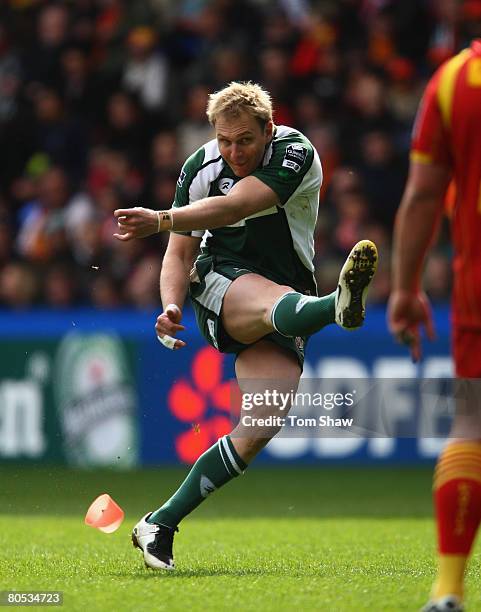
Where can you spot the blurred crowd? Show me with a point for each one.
(101, 101)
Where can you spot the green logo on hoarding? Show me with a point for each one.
(96, 401)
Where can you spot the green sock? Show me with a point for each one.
(219, 464)
(301, 315)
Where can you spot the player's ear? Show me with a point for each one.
(269, 129)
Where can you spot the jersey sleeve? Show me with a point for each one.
(182, 190)
(291, 159)
(429, 142)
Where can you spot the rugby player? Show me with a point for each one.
(446, 146)
(242, 244)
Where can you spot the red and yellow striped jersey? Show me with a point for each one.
(448, 131)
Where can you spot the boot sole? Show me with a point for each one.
(355, 277)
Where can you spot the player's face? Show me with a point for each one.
(242, 142)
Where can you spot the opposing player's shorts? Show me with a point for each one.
(209, 281)
(467, 352)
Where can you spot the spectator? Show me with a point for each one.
(42, 60)
(125, 129)
(6, 242)
(59, 287)
(366, 100)
(142, 289)
(145, 72)
(108, 168)
(51, 225)
(229, 65)
(10, 77)
(18, 286)
(165, 154)
(437, 277)
(383, 174)
(101, 100)
(80, 89)
(104, 292)
(58, 135)
(194, 130)
(353, 213)
(275, 76)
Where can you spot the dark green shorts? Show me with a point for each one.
(209, 281)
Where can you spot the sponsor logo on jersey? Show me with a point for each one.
(294, 157)
(225, 185)
(181, 179)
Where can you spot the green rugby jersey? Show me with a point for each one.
(278, 243)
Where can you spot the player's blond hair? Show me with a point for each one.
(238, 97)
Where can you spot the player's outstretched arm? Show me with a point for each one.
(247, 197)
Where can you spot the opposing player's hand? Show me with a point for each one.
(136, 222)
(167, 325)
(407, 313)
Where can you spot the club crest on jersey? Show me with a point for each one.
(225, 185)
(294, 157)
(181, 179)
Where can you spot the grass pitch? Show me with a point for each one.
(332, 539)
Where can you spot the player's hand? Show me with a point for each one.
(136, 222)
(167, 325)
(407, 313)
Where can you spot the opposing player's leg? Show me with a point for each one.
(258, 367)
(254, 306)
(457, 480)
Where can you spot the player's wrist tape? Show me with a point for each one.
(165, 215)
(167, 341)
